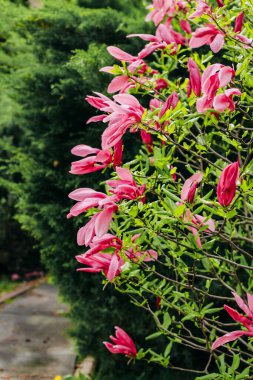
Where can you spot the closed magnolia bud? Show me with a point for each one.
(195, 77)
(227, 184)
(239, 23)
(185, 25)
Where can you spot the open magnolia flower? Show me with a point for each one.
(246, 321)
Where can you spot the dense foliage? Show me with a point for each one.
(173, 229)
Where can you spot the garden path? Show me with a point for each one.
(33, 337)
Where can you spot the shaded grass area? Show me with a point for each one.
(7, 285)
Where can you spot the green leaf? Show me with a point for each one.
(154, 335)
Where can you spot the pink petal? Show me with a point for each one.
(203, 104)
(113, 268)
(233, 91)
(225, 75)
(145, 37)
(217, 44)
(94, 119)
(221, 102)
(120, 54)
(250, 301)
(103, 221)
(229, 338)
(117, 83)
(242, 305)
(83, 150)
(124, 174)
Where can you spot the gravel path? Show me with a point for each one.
(34, 344)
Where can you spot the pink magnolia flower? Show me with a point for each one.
(195, 77)
(227, 184)
(109, 264)
(122, 113)
(165, 35)
(190, 186)
(224, 101)
(160, 9)
(122, 344)
(125, 187)
(239, 23)
(98, 261)
(97, 226)
(202, 8)
(90, 163)
(215, 77)
(87, 198)
(208, 35)
(246, 321)
(123, 83)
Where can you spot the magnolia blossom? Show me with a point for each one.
(208, 35)
(109, 264)
(125, 187)
(159, 9)
(225, 101)
(239, 23)
(227, 184)
(122, 344)
(97, 226)
(165, 35)
(87, 198)
(214, 78)
(246, 321)
(202, 8)
(99, 261)
(190, 186)
(122, 113)
(94, 159)
(122, 83)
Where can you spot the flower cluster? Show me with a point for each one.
(168, 228)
